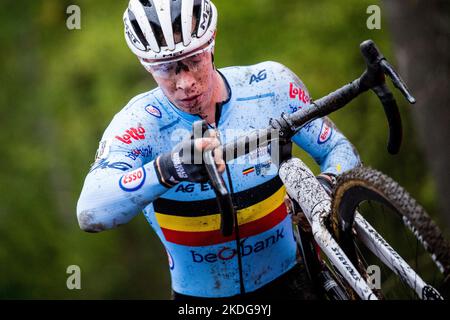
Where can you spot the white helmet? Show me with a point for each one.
(165, 30)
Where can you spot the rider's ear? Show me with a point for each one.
(212, 57)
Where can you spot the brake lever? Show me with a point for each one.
(378, 66)
(397, 80)
(393, 117)
(374, 78)
(223, 197)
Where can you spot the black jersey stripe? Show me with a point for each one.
(206, 207)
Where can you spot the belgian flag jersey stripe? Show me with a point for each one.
(205, 230)
(200, 208)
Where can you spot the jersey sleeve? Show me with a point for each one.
(320, 138)
(122, 180)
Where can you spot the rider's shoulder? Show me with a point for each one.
(268, 66)
(255, 75)
(280, 71)
(143, 104)
(282, 77)
(142, 100)
(144, 109)
(272, 67)
(261, 71)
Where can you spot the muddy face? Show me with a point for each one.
(188, 83)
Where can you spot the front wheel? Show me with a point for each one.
(371, 216)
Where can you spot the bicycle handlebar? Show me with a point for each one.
(374, 78)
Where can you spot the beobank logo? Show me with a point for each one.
(228, 253)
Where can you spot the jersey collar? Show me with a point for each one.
(221, 107)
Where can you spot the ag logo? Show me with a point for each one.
(262, 75)
(132, 181)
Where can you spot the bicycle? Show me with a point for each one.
(335, 222)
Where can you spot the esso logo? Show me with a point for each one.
(132, 181)
(325, 133)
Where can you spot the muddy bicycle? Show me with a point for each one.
(351, 247)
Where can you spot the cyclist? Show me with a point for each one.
(139, 165)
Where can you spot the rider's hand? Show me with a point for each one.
(185, 161)
(281, 149)
(327, 180)
(297, 215)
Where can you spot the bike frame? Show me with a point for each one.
(379, 247)
(302, 185)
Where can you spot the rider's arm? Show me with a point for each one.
(111, 197)
(133, 168)
(122, 181)
(319, 138)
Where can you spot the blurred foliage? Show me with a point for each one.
(60, 88)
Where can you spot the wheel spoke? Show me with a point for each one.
(388, 206)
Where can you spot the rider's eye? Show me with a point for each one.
(197, 58)
(164, 68)
(194, 63)
(167, 67)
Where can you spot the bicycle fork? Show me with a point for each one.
(302, 185)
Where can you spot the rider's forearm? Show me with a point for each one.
(112, 198)
(342, 157)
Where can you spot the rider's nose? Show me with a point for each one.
(185, 81)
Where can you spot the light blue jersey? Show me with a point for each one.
(122, 182)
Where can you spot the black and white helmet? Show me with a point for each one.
(165, 30)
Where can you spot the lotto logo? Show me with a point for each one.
(132, 181)
(132, 133)
(299, 93)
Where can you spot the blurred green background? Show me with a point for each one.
(60, 89)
